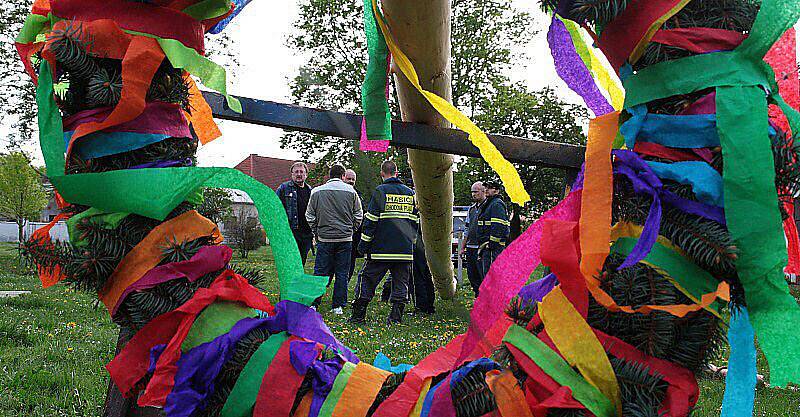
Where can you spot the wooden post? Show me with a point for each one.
(422, 30)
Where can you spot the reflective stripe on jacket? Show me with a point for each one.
(390, 223)
(493, 224)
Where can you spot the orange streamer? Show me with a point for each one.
(508, 395)
(595, 223)
(304, 408)
(148, 253)
(201, 117)
(360, 392)
(48, 276)
(140, 63)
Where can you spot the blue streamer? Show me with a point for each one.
(740, 383)
(705, 180)
(675, 131)
(219, 27)
(383, 362)
(99, 144)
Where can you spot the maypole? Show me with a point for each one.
(422, 31)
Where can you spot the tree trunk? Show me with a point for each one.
(422, 31)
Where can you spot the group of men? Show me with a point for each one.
(487, 231)
(386, 235)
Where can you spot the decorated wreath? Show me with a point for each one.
(671, 233)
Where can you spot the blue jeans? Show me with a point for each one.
(333, 259)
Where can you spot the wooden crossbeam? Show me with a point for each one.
(404, 134)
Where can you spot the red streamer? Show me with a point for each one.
(131, 364)
(700, 40)
(279, 385)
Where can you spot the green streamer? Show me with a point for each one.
(243, 397)
(754, 220)
(751, 204)
(208, 9)
(211, 74)
(155, 192)
(695, 280)
(336, 391)
(214, 321)
(377, 116)
(93, 215)
(560, 371)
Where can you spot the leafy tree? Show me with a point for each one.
(22, 195)
(245, 233)
(331, 34)
(216, 204)
(517, 112)
(17, 93)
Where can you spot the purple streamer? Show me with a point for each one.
(571, 69)
(304, 358)
(535, 292)
(165, 164)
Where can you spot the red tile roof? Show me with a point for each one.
(268, 171)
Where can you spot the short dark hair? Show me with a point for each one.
(492, 184)
(389, 168)
(336, 171)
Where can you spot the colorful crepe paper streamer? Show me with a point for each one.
(376, 126)
(740, 382)
(506, 171)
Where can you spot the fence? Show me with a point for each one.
(9, 231)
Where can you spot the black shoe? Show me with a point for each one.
(396, 315)
(359, 312)
(425, 311)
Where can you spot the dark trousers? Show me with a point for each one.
(422, 281)
(304, 244)
(485, 260)
(473, 269)
(372, 273)
(333, 258)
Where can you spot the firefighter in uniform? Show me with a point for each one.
(387, 242)
(493, 227)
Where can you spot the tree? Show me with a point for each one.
(216, 204)
(17, 92)
(331, 34)
(22, 195)
(245, 233)
(537, 115)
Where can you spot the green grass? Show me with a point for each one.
(54, 344)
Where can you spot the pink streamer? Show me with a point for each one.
(510, 271)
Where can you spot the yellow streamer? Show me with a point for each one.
(422, 394)
(508, 174)
(605, 80)
(578, 344)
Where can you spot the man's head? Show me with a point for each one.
(350, 177)
(492, 188)
(299, 173)
(336, 171)
(478, 192)
(388, 170)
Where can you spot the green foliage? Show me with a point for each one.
(515, 111)
(17, 92)
(244, 233)
(331, 34)
(216, 204)
(22, 194)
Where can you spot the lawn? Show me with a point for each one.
(55, 342)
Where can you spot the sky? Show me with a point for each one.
(266, 64)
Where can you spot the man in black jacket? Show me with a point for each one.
(387, 242)
(492, 227)
(294, 194)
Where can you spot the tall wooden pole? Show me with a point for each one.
(422, 31)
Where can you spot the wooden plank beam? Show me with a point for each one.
(404, 134)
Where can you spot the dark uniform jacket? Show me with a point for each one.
(390, 223)
(493, 223)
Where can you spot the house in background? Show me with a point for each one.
(271, 172)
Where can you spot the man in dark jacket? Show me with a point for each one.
(471, 244)
(387, 241)
(294, 194)
(492, 227)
